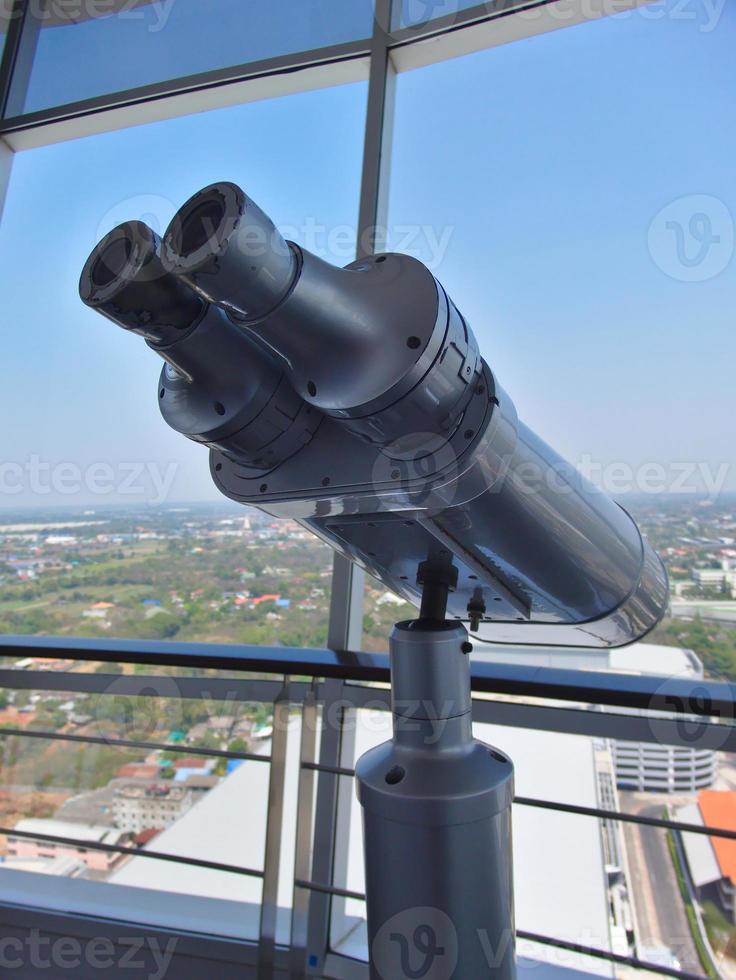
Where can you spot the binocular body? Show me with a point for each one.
(356, 401)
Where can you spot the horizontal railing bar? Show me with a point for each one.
(689, 734)
(590, 811)
(334, 770)
(674, 695)
(697, 733)
(297, 661)
(132, 851)
(624, 727)
(126, 743)
(514, 714)
(313, 886)
(602, 954)
(587, 811)
(154, 686)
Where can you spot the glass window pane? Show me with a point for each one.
(619, 887)
(4, 25)
(540, 210)
(110, 524)
(588, 234)
(165, 796)
(144, 43)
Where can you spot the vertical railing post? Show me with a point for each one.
(304, 838)
(325, 825)
(274, 836)
(343, 816)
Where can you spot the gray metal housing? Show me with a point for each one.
(437, 823)
(356, 402)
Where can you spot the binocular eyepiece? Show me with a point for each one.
(222, 245)
(218, 386)
(124, 280)
(356, 401)
(377, 346)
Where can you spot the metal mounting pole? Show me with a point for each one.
(437, 822)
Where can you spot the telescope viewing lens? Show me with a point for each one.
(229, 251)
(200, 226)
(111, 262)
(124, 280)
(217, 386)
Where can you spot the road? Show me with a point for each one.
(659, 905)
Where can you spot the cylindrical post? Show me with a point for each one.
(437, 823)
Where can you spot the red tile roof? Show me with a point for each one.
(718, 808)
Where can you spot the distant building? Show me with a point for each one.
(203, 784)
(259, 600)
(100, 610)
(100, 861)
(136, 808)
(185, 774)
(59, 867)
(712, 860)
(390, 599)
(651, 766)
(663, 768)
(138, 770)
(709, 578)
(145, 837)
(194, 763)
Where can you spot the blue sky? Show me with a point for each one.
(541, 165)
(549, 159)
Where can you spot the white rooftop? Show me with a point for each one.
(61, 867)
(560, 881)
(637, 658)
(652, 658)
(64, 828)
(701, 858)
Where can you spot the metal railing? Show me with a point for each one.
(327, 685)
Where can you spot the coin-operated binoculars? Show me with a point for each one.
(356, 401)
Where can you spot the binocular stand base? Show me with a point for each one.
(436, 822)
